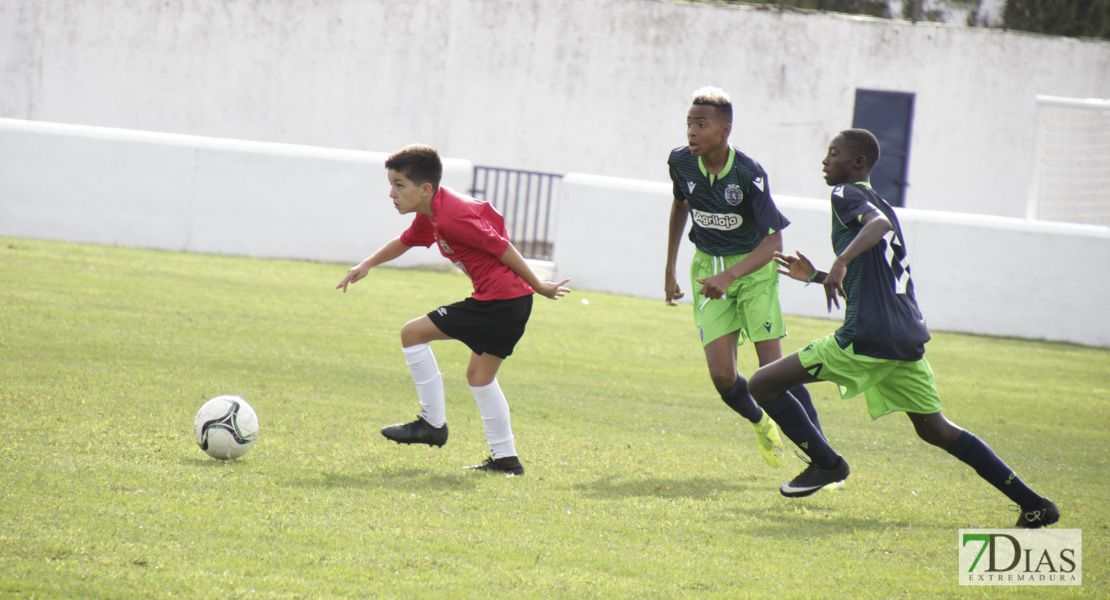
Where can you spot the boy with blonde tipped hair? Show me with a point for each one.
(736, 230)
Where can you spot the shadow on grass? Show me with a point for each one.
(406, 479)
(206, 462)
(655, 487)
(829, 515)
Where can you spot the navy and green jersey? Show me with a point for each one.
(733, 210)
(881, 318)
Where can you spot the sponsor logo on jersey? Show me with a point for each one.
(462, 267)
(733, 194)
(442, 311)
(767, 326)
(721, 222)
(758, 182)
(446, 249)
(691, 185)
(838, 191)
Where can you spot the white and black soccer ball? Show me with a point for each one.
(226, 427)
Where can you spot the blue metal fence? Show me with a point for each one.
(526, 200)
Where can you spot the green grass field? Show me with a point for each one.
(640, 482)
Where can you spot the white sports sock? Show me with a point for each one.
(495, 418)
(429, 383)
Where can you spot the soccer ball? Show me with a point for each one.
(226, 427)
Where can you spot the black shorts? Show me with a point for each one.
(485, 326)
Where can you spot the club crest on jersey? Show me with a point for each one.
(733, 194)
(721, 222)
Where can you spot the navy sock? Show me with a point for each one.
(801, 394)
(795, 424)
(986, 463)
(737, 398)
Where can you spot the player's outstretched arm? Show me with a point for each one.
(551, 289)
(511, 258)
(801, 268)
(677, 226)
(391, 250)
(875, 226)
(798, 267)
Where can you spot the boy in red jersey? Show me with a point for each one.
(490, 322)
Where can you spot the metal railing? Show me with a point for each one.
(526, 200)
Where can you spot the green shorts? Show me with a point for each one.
(889, 385)
(751, 304)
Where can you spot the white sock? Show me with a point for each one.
(495, 418)
(429, 383)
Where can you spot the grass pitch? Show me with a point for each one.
(640, 483)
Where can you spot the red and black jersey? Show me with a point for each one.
(472, 235)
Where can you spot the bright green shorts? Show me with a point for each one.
(889, 385)
(751, 304)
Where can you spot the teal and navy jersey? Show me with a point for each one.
(881, 317)
(732, 211)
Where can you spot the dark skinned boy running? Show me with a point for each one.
(880, 349)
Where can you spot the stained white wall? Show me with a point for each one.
(972, 274)
(587, 86)
(991, 275)
(196, 194)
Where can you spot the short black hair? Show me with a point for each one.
(717, 98)
(419, 162)
(865, 143)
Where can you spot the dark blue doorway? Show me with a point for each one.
(888, 115)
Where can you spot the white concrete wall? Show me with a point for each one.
(998, 276)
(587, 86)
(195, 194)
(972, 274)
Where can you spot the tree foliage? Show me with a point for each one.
(1070, 18)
